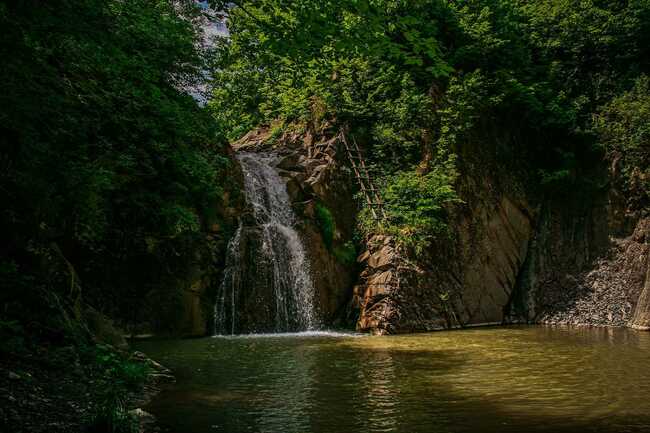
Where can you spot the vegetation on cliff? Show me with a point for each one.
(416, 80)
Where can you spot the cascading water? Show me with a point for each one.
(267, 285)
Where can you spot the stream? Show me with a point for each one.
(511, 379)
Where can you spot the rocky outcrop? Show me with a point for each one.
(467, 280)
(641, 319)
(377, 292)
(514, 257)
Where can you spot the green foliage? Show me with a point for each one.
(118, 370)
(623, 128)
(345, 253)
(415, 206)
(422, 80)
(466, 99)
(326, 224)
(277, 129)
(101, 150)
(116, 375)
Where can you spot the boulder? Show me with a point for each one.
(382, 258)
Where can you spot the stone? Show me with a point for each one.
(139, 413)
(381, 258)
(363, 256)
(290, 163)
(381, 281)
(641, 320)
(103, 329)
(294, 190)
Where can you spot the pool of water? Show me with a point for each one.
(519, 379)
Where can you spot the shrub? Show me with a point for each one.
(414, 205)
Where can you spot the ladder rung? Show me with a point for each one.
(362, 174)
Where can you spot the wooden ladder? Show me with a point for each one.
(371, 194)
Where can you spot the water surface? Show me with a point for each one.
(523, 379)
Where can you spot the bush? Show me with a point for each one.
(119, 370)
(414, 205)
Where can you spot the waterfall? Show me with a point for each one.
(267, 286)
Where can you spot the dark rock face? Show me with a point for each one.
(596, 285)
(513, 259)
(184, 304)
(641, 320)
(468, 280)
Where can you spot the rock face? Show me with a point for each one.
(466, 281)
(471, 285)
(181, 301)
(377, 293)
(641, 319)
(594, 286)
(513, 258)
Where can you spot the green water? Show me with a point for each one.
(524, 379)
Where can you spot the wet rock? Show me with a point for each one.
(140, 414)
(103, 329)
(146, 421)
(290, 163)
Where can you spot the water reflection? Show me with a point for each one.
(285, 400)
(378, 380)
(493, 380)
